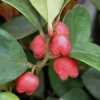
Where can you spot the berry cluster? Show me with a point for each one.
(64, 65)
(60, 47)
(60, 44)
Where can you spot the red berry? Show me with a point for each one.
(38, 46)
(66, 66)
(62, 29)
(27, 82)
(60, 44)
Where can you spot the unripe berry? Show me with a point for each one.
(27, 82)
(60, 44)
(61, 29)
(38, 46)
(66, 66)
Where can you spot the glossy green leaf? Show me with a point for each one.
(12, 58)
(8, 96)
(48, 9)
(60, 87)
(96, 3)
(88, 53)
(78, 22)
(91, 80)
(25, 7)
(19, 27)
(76, 94)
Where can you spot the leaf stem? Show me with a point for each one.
(57, 20)
(50, 30)
(34, 67)
(42, 34)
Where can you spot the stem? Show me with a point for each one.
(32, 71)
(53, 57)
(58, 33)
(46, 58)
(42, 34)
(46, 64)
(57, 20)
(30, 65)
(50, 30)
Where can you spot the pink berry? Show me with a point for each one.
(66, 66)
(27, 82)
(60, 44)
(62, 29)
(38, 46)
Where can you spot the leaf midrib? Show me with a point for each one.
(74, 51)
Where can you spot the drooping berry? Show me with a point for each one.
(61, 29)
(38, 46)
(60, 44)
(27, 82)
(66, 66)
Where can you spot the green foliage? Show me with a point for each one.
(96, 3)
(25, 7)
(41, 88)
(50, 98)
(12, 58)
(91, 80)
(76, 94)
(19, 27)
(14, 61)
(8, 96)
(78, 22)
(88, 53)
(30, 57)
(60, 87)
(49, 9)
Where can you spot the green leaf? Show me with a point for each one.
(76, 94)
(30, 57)
(78, 22)
(39, 92)
(50, 98)
(19, 27)
(48, 9)
(25, 7)
(8, 96)
(12, 58)
(60, 87)
(96, 3)
(88, 53)
(91, 80)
